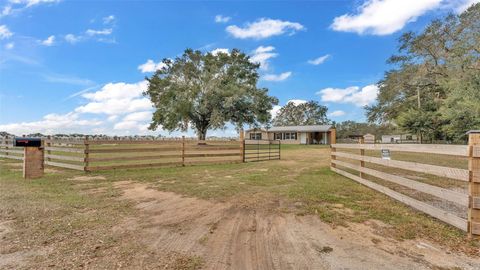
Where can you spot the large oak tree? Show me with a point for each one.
(206, 91)
(306, 113)
(433, 89)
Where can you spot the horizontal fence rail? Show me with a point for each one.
(108, 155)
(67, 154)
(261, 150)
(98, 155)
(349, 158)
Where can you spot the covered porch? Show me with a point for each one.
(315, 137)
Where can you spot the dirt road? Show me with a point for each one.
(225, 236)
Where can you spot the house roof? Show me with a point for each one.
(311, 128)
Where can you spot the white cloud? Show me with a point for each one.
(262, 54)
(220, 50)
(136, 121)
(319, 60)
(151, 66)
(17, 6)
(118, 108)
(297, 101)
(277, 77)
(383, 17)
(336, 113)
(7, 10)
(131, 125)
(116, 99)
(67, 79)
(274, 111)
(138, 116)
(264, 28)
(5, 33)
(49, 41)
(222, 19)
(71, 38)
(103, 32)
(108, 19)
(112, 118)
(9, 46)
(52, 123)
(30, 3)
(353, 95)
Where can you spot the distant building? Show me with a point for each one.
(403, 138)
(312, 134)
(368, 138)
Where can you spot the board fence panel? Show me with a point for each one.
(92, 155)
(448, 192)
(443, 149)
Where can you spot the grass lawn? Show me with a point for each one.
(77, 213)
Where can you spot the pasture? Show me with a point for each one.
(282, 214)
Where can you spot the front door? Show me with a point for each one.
(303, 138)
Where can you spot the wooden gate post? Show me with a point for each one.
(242, 146)
(474, 183)
(333, 136)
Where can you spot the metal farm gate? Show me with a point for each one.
(261, 150)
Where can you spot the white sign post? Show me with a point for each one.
(386, 154)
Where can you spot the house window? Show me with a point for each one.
(278, 136)
(256, 136)
(290, 136)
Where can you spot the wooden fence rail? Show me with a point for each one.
(96, 155)
(472, 176)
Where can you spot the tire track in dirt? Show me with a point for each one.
(231, 237)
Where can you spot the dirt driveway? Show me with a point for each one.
(224, 236)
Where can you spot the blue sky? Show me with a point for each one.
(78, 66)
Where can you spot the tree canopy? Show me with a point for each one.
(206, 91)
(307, 113)
(434, 89)
(348, 128)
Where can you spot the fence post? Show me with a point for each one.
(269, 149)
(332, 156)
(362, 153)
(5, 142)
(183, 150)
(474, 183)
(86, 154)
(333, 136)
(49, 144)
(242, 146)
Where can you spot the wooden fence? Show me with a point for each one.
(107, 155)
(96, 155)
(8, 151)
(359, 163)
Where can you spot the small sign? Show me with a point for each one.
(386, 154)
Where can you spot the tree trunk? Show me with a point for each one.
(202, 135)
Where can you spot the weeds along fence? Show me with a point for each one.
(442, 181)
(97, 155)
